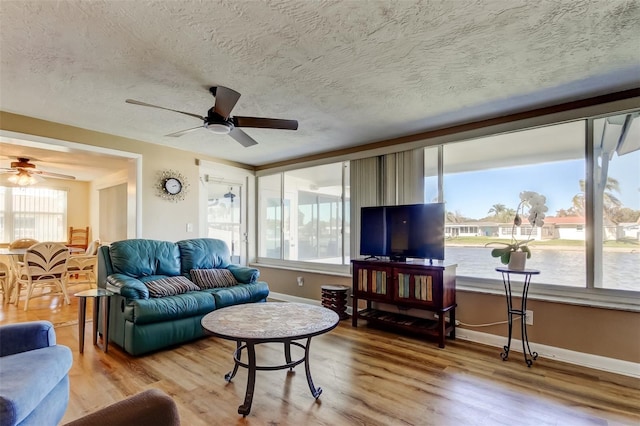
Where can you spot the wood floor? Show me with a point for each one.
(368, 377)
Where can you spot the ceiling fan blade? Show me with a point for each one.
(226, 99)
(51, 174)
(265, 123)
(244, 139)
(132, 101)
(182, 132)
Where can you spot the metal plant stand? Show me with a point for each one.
(522, 312)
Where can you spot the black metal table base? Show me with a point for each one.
(252, 367)
(529, 356)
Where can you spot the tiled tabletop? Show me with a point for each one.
(270, 321)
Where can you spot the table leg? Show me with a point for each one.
(452, 319)
(442, 326)
(236, 358)
(287, 353)
(506, 281)
(314, 391)
(82, 308)
(245, 408)
(96, 302)
(525, 336)
(106, 306)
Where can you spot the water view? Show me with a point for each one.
(558, 267)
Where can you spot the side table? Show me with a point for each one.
(522, 312)
(334, 297)
(95, 294)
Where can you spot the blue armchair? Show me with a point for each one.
(34, 379)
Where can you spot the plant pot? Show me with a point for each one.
(517, 260)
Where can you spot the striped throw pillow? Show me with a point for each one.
(213, 278)
(170, 286)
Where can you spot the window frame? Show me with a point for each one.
(561, 110)
(342, 269)
(589, 295)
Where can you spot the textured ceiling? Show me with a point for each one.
(351, 72)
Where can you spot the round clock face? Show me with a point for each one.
(173, 186)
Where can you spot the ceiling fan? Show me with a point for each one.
(219, 119)
(24, 173)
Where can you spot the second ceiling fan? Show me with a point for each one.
(219, 119)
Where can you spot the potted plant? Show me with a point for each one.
(516, 252)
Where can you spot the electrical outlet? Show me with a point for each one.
(189, 227)
(300, 281)
(529, 317)
(457, 322)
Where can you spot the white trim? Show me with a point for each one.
(621, 300)
(309, 267)
(293, 299)
(612, 365)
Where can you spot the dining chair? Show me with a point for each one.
(22, 243)
(5, 282)
(81, 268)
(78, 237)
(44, 266)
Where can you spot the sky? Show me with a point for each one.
(472, 194)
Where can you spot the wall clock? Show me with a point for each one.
(172, 185)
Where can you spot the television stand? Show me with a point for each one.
(416, 285)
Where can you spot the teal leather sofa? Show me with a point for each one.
(139, 323)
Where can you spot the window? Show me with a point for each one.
(270, 216)
(482, 179)
(28, 212)
(616, 201)
(304, 215)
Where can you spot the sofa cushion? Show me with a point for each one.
(170, 286)
(140, 258)
(244, 274)
(23, 387)
(213, 278)
(203, 253)
(242, 293)
(169, 308)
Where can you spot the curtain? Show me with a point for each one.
(385, 180)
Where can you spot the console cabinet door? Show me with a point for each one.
(373, 282)
(417, 287)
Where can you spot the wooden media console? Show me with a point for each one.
(414, 284)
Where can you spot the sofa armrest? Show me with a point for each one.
(126, 286)
(26, 336)
(151, 407)
(244, 274)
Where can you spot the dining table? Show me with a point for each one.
(14, 255)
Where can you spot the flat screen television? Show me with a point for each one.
(400, 232)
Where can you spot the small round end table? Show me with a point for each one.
(95, 294)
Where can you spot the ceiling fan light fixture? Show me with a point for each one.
(219, 128)
(23, 178)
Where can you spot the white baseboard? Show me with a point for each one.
(287, 298)
(611, 365)
(597, 362)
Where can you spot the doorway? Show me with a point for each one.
(225, 218)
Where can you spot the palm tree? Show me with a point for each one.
(610, 202)
(497, 209)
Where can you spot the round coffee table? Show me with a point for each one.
(254, 323)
